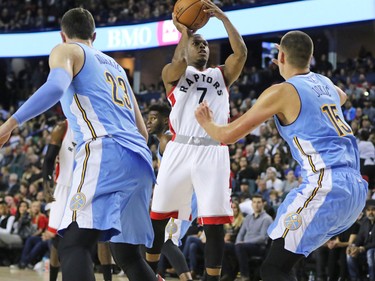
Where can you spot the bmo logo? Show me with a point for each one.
(129, 38)
(167, 33)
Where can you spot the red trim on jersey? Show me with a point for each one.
(170, 97)
(57, 170)
(215, 220)
(52, 230)
(162, 216)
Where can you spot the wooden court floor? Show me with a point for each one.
(10, 274)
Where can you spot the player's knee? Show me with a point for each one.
(159, 230)
(125, 254)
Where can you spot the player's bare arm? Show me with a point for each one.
(6, 130)
(69, 57)
(174, 70)
(280, 99)
(235, 62)
(139, 119)
(342, 95)
(163, 142)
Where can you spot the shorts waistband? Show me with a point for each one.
(345, 169)
(195, 140)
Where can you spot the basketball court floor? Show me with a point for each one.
(10, 274)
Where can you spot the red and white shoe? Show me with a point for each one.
(159, 277)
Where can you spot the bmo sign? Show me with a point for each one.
(163, 33)
(138, 37)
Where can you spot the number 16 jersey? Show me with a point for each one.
(319, 138)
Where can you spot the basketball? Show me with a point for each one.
(190, 13)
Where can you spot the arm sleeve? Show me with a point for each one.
(45, 97)
(49, 161)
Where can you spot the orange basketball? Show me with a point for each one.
(190, 13)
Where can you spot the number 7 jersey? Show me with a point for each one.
(319, 138)
(194, 87)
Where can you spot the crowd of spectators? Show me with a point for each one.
(261, 164)
(37, 15)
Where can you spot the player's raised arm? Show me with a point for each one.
(174, 70)
(235, 62)
(277, 99)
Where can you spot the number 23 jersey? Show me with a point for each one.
(194, 87)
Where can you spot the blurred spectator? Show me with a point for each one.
(6, 219)
(21, 229)
(363, 248)
(252, 237)
(193, 249)
(289, 183)
(13, 185)
(333, 255)
(369, 110)
(323, 65)
(262, 190)
(366, 156)
(349, 111)
(272, 181)
(230, 263)
(33, 246)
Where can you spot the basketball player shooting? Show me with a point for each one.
(192, 160)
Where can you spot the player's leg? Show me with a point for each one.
(134, 218)
(54, 265)
(153, 253)
(172, 196)
(214, 250)
(75, 253)
(279, 263)
(177, 260)
(211, 185)
(105, 258)
(128, 257)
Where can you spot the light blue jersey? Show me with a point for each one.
(319, 138)
(112, 181)
(109, 112)
(332, 193)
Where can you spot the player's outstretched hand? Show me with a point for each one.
(6, 130)
(180, 27)
(213, 10)
(203, 114)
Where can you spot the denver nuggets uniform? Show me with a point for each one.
(63, 178)
(113, 176)
(191, 159)
(323, 144)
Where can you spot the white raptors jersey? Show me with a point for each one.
(194, 87)
(65, 164)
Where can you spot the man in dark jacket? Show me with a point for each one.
(364, 245)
